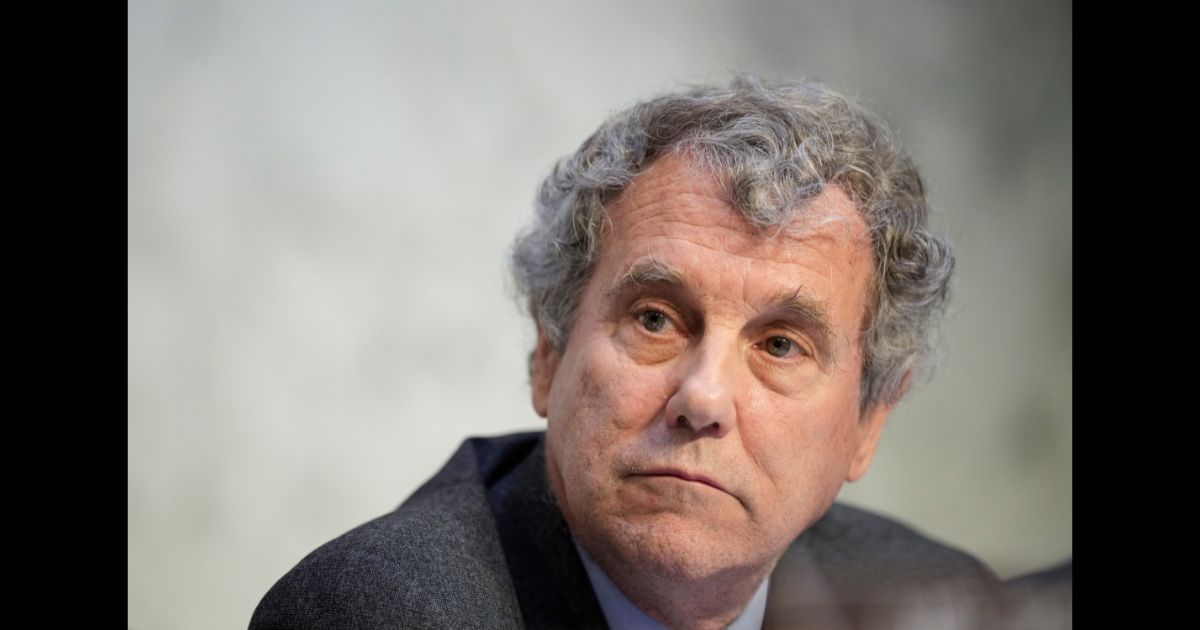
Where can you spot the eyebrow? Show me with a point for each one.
(811, 312)
(796, 303)
(646, 270)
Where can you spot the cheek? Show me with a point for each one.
(604, 391)
(807, 445)
(600, 401)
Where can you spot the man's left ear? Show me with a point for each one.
(870, 427)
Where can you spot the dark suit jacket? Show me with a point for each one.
(483, 545)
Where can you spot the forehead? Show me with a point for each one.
(675, 213)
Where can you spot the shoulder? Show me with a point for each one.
(853, 545)
(418, 566)
(855, 568)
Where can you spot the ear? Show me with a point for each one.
(870, 428)
(543, 365)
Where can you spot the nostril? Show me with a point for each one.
(681, 422)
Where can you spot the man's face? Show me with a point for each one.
(705, 408)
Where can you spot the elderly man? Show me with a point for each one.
(732, 287)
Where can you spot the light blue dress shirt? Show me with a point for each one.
(621, 614)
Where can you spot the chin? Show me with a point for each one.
(670, 548)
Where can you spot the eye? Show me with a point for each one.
(780, 346)
(654, 321)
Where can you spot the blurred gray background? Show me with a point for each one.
(322, 195)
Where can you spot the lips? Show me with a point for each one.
(685, 475)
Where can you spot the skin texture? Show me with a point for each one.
(705, 412)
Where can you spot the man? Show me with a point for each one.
(732, 287)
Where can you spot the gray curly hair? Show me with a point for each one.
(774, 147)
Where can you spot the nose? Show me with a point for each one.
(703, 403)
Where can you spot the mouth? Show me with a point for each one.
(684, 475)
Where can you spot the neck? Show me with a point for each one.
(686, 602)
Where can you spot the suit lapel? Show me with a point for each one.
(548, 576)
